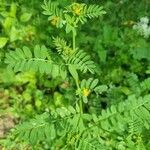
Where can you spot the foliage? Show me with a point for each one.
(71, 86)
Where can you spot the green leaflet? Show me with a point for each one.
(3, 41)
(73, 72)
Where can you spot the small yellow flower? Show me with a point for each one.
(55, 20)
(85, 92)
(77, 8)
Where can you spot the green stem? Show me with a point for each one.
(74, 39)
(77, 82)
(80, 99)
(80, 105)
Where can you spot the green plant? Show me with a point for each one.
(123, 125)
(73, 58)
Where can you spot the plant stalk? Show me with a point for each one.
(77, 82)
(74, 39)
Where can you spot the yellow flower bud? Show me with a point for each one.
(77, 8)
(55, 20)
(85, 92)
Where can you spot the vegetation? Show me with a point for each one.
(74, 75)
